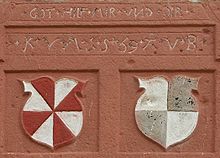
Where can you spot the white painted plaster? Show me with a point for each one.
(152, 124)
(180, 125)
(155, 95)
(62, 88)
(73, 120)
(44, 134)
(36, 101)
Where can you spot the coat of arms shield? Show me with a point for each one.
(53, 115)
(167, 112)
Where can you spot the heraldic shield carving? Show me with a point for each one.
(167, 112)
(53, 115)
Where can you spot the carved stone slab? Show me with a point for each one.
(53, 115)
(107, 12)
(107, 43)
(159, 41)
(167, 113)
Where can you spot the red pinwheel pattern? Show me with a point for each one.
(53, 115)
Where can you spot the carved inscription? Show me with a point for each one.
(105, 12)
(110, 43)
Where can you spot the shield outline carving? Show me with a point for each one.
(157, 119)
(77, 87)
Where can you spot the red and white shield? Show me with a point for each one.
(167, 113)
(53, 115)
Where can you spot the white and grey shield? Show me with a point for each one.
(167, 113)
